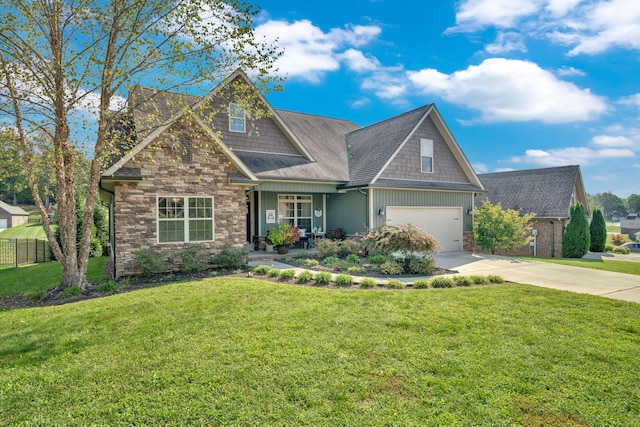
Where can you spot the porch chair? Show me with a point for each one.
(304, 238)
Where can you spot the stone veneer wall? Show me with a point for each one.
(165, 174)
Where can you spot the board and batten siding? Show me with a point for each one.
(269, 201)
(348, 211)
(394, 197)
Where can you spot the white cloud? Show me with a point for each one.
(511, 90)
(612, 141)
(387, 85)
(570, 71)
(361, 103)
(571, 156)
(506, 42)
(474, 15)
(633, 100)
(504, 169)
(480, 167)
(310, 52)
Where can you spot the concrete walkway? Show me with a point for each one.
(619, 286)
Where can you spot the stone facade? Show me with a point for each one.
(167, 172)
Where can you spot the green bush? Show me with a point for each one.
(620, 250)
(274, 273)
(310, 262)
(194, 259)
(420, 264)
(327, 248)
(421, 284)
(391, 268)
(110, 286)
(405, 238)
(598, 231)
(395, 284)
(332, 260)
(356, 269)
(353, 258)
(462, 281)
(347, 248)
(575, 240)
(148, 263)
(261, 270)
(71, 291)
(368, 283)
(322, 278)
(495, 279)
(442, 282)
(287, 274)
(305, 277)
(232, 257)
(378, 259)
(479, 280)
(343, 280)
(336, 234)
(608, 248)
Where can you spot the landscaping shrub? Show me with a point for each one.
(261, 270)
(368, 283)
(110, 286)
(194, 259)
(395, 284)
(322, 278)
(274, 273)
(232, 257)
(419, 264)
(305, 277)
(498, 229)
(479, 280)
(330, 261)
(617, 239)
(287, 274)
(462, 281)
(327, 248)
(71, 291)
(620, 250)
(495, 279)
(348, 247)
(575, 240)
(343, 280)
(148, 263)
(378, 259)
(597, 231)
(310, 262)
(442, 282)
(405, 239)
(356, 269)
(608, 248)
(421, 284)
(391, 267)
(336, 234)
(353, 258)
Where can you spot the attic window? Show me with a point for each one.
(426, 155)
(236, 118)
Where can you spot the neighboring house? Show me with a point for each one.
(630, 225)
(11, 216)
(548, 192)
(210, 170)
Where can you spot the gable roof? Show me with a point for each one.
(547, 192)
(12, 210)
(372, 149)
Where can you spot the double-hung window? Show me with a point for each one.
(426, 155)
(237, 119)
(185, 219)
(295, 209)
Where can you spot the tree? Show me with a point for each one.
(496, 229)
(611, 205)
(575, 240)
(13, 179)
(597, 232)
(64, 64)
(633, 203)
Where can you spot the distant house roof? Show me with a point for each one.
(628, 223)
(6, 208)
(547, 192)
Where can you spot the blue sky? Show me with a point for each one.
(521, 83)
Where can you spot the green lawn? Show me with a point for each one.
(234, 351)
(40, 277)
(32, 230)
(606, 265)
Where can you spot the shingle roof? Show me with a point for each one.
(547, 191)
(372, 146)
(11, 210)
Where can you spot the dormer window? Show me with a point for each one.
(426, 155)
(236, 118)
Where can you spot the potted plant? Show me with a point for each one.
(282, 236)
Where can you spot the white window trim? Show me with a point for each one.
(295, 217)
(242, 118)
(186, 219)
(422, 154)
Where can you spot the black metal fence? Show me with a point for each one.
(15, 252)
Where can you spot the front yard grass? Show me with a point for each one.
(627, 267)
(43, 276)
(234, 351)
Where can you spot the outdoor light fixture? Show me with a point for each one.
(469, 211)
(381, 211)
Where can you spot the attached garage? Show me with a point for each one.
(444, 223)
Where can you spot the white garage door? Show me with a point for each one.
(3, 223)
(445, 224)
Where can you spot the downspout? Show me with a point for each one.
(366, 204)
(112, 252)
(553, 239)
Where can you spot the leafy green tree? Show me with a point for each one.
(497, 229)
(597, 232)
(13, 179)
(575, 240)
(65, 64)
(633, 203)
(611, 205)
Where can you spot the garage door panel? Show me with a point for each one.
(445, 224)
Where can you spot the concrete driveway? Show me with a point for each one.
(619, 286)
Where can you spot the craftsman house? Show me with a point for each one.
(548, 192)
(224, 168)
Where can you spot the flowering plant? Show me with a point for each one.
(336, 234)
(285, 234)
